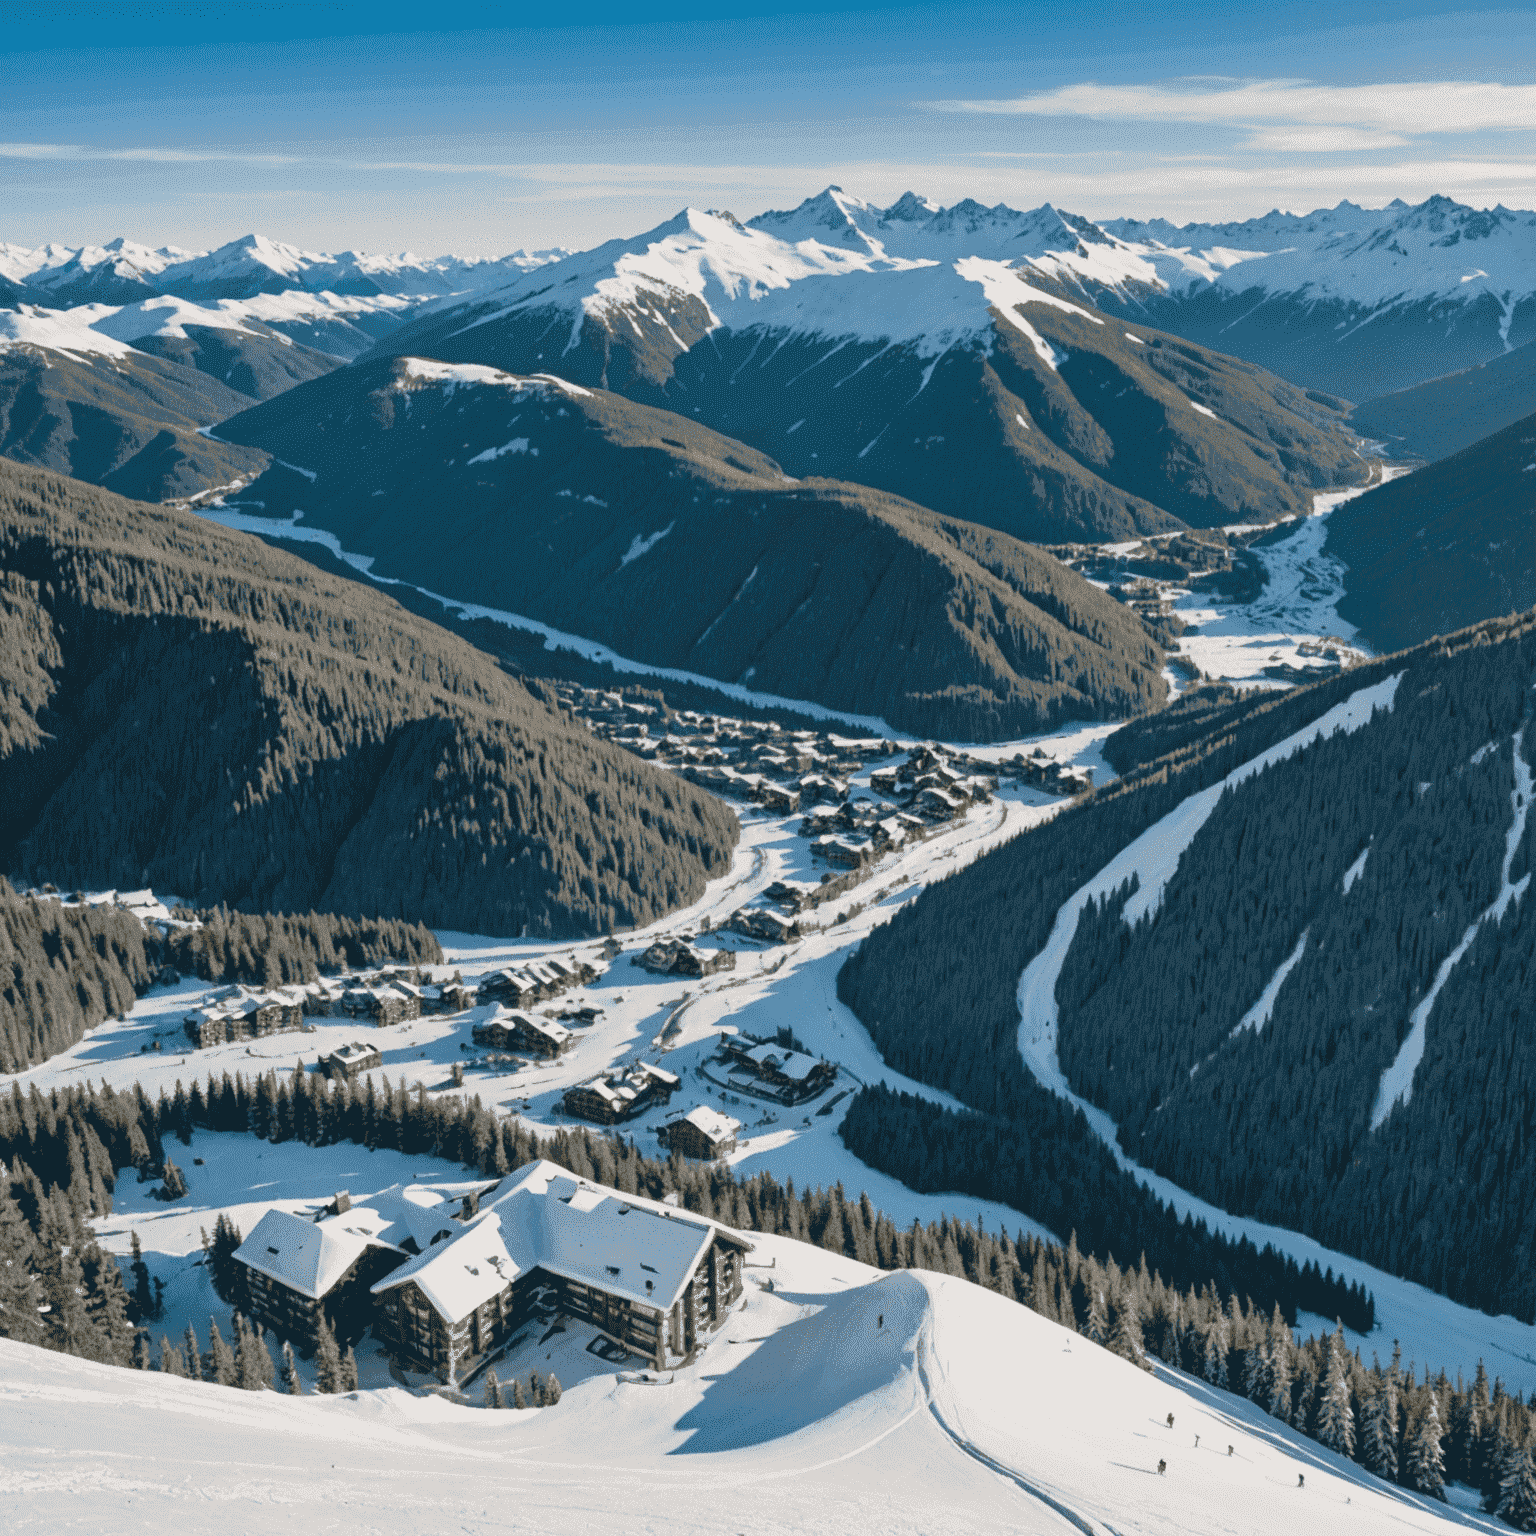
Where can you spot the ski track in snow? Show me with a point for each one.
(1356, 869)
(1397, 1081)
(1259, 1015)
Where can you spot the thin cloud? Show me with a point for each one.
(1408, 108)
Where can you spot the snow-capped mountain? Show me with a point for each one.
(980, 385)
(122, 270)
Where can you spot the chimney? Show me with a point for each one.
(341, 1204)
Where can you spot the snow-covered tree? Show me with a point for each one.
(290, 1377)
(1517, 1490)
(1214, 1365)
(492, 1390)
(1097, 1325)
(349, 1371)
(1379, 1447)
(1125, 1339)
(1335, 1414)
(1426, 1462)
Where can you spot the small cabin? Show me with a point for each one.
(622, 1095)
(348, 1062)
(702, 1133)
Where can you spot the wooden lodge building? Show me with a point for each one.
(790, 1076)
(702, 1132)
(502, 1030)
(653, 1278)
(621, 1095)
(349, 1062)
(297, 1271)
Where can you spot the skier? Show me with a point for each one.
(1162, 1467)
(1170, 1421)
(1301, 1479)
(880, 1321)
(1229, 1450)
(1197, 1442)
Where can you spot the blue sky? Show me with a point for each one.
(386, 127)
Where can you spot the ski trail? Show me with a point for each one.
(1356, 869)
(1397, 1081)
(1258, 1016)
(1152, 858)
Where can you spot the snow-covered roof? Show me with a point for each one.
(795, 1065)
(307, 1256)
(716, 1126)
(460, 1275)
(543, 1217)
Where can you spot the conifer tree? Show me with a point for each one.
(248, 1370)
(1097, 1326)
(1335, 1417)
(492, 1389)
(193, 1353)
(1126, 1338)
(142, 1308)
(552, 1390)
(519, 1398)
(175, 1182)
(327, 1358)
(290, 1372)
(142, 1360)
(1280, 1350)
(1426, 1463)
(222, 1359)
(535, 1389)
(349, 1371)
(1517, 1490)
(172, 1361)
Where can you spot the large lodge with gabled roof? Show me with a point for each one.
(447, 1276)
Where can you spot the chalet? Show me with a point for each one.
(515, 1031)
(349, 1061)
(796, 895)
(238, 1014)
(298, 1271)
(765, 924)
(778, 799)
(838, 849)
(790, 1076)
(676, 957)
(651, 1277)
(939, 804)
(447, 997)
(702, 1132)
(817, 788)
(380, 1005)
(621, 1095)
(535, 982)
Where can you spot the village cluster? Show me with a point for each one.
(452, 1277)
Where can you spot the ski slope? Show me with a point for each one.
(835, 1399)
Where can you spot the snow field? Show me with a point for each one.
(840, 1400)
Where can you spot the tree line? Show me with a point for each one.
(932, 1149)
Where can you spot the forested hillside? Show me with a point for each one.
(579, 508)
(1441, 548)
(1347, 931)
(191, 709)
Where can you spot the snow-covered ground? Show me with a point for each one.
(1298, 606)
(834, 1400)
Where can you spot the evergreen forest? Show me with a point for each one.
(194, 710)
(1273, 1120)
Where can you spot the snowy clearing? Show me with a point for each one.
(836, 1399)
